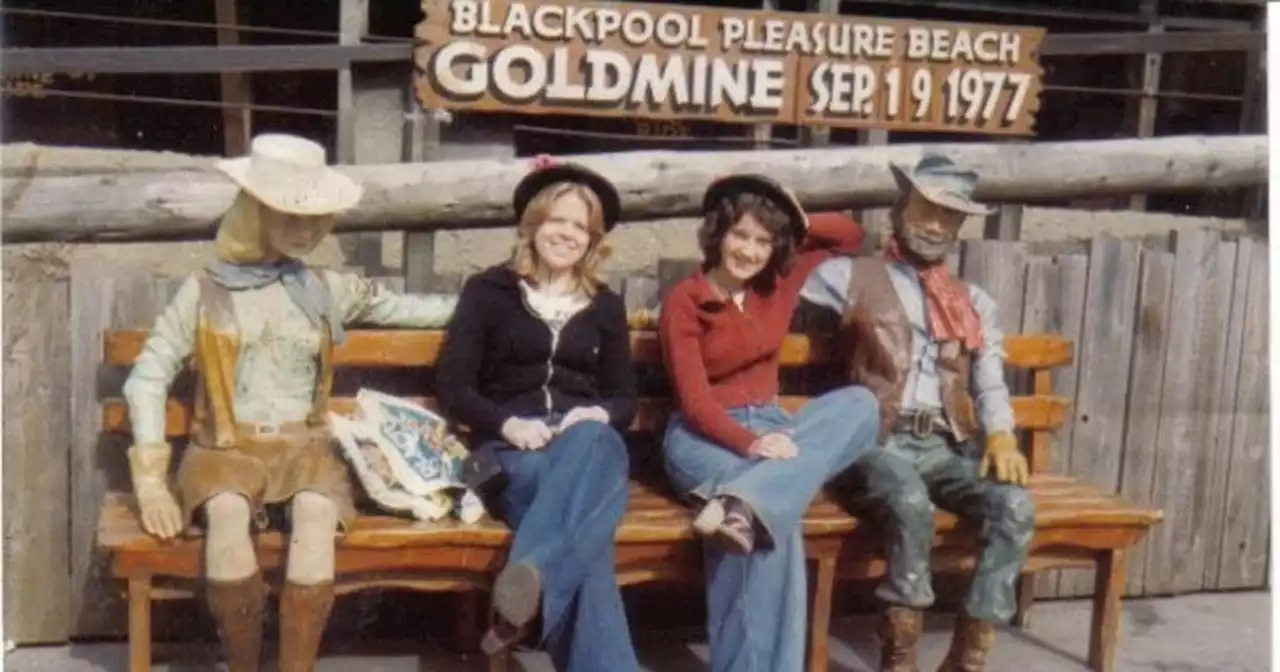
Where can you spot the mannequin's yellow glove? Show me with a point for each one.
(1003, 459)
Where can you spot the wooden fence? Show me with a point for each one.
(1169, 384)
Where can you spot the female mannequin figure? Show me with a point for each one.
(260, 328)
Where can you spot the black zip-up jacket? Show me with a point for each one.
(496, 362)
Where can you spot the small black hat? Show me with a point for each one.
(547, 173)
(725, 187)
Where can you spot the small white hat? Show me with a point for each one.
(289, 174)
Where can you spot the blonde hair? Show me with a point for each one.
(242, 233)
(241, 238)
(524, 256)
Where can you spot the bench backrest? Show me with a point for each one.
(400, 362)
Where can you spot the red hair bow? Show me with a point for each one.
(543, 162)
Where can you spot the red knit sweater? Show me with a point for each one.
(719, 357)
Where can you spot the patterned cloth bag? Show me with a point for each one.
(406, 458)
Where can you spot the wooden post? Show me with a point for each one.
(1253, 119)
(422, 133)
(237, 122)
(820, 136)
(763, 133)
(875, 222)
(1151, 66)
(362, 250)
(1004, 224)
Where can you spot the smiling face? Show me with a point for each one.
(564, 237)
(294, 235)
(745, 250)
(926, 229)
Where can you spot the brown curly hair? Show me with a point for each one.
(728, 212)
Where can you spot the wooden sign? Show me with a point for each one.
(665, 62)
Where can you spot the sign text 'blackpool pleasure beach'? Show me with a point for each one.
(690, 62)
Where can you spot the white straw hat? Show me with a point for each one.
(289, 174)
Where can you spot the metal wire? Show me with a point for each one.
(1139, 93)
(157, 100)
(177, 23)
(606, 135)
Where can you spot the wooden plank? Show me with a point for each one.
(652, 185)
(417, 348)
(103, 297)
(999, 268)
(1146, 381)
(37, 442)
(1106, 348)
(1175, 558)
(1029, 412)
(1237, 257)
(1210, 465)
(1054, 303)
(1244, 559)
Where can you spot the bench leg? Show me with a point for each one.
(1026, 598)
(140, 624)
(470, 605)
(820, 627)
(1108, 589)
(500, 662)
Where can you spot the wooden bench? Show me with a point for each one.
(1077, 524)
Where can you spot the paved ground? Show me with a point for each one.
(1198, 633)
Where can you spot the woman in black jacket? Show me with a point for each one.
(537, 363)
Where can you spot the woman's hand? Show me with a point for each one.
(774, 446)
(526, 434)
(583, 413)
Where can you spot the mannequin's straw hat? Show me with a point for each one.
(289, 174)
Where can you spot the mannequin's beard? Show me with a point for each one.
(923, 248)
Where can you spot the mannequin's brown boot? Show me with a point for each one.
(237, 609)
(900, 629)
(969, 645)
(304, 611)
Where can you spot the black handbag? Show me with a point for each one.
(481, 472)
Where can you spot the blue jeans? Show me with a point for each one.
(757, 604)
(565, 502)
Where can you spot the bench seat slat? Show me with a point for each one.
(1033, 412)
(653, 516)
(409, 348)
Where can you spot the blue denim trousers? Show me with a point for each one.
(757, 604)
(564, 503)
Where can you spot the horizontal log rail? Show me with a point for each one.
(121, 204)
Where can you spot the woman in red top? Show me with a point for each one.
(754, 467)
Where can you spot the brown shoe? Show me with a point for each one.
(900, 629)
(237, 609)
(304, 611)
(517, 597)
(969, 645)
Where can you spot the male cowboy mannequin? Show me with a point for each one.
(929, 346)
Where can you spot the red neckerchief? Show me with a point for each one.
(948, 307)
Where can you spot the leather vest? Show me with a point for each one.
(876, 343)
(217, 348)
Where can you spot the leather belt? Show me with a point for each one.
(269, 431)
(921, 423)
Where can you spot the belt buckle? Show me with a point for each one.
(922, 423)
(261, 430)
